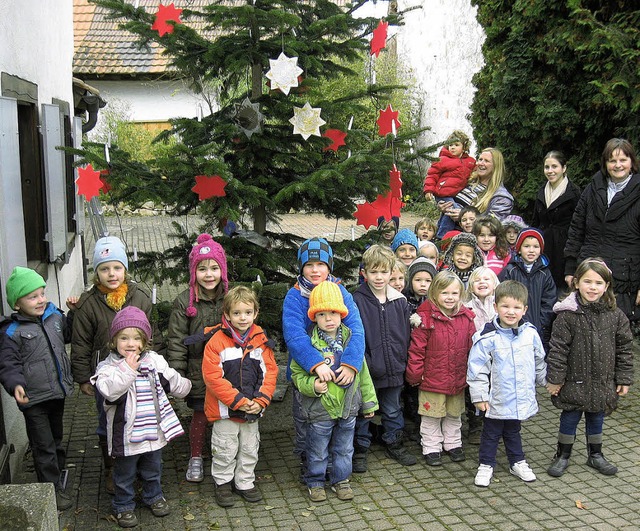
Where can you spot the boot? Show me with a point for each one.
(359, 462)
(561, 460)
(108, 466)
(399, 453)
(596, 459)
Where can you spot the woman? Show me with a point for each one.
(606, 223)
(552, 212)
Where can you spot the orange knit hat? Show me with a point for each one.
(326, 297)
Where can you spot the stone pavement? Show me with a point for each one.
(389, 496)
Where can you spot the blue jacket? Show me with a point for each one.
(505, 364)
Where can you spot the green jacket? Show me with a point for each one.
(337, 402)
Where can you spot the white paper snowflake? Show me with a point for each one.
(284, 73)
(248, 117)
(306, 121)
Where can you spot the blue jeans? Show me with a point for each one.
(324, 437)
(125, 470)
(492, 431)
(299, 423)
(391, 414)
(445, 223)
(569, 422)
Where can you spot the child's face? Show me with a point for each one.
(396, 280)
(425, 232)
(512, 235)
(111, 274)
(486, 239)
(455, 148)
(315, 272)
(32, 304)
(483, 286)
(466, 221)
(129, 341)
(449, 298)
(241, 316)
(377, 278)
(592, 286)
(208, 275)
(430, 253)
(463, 257)
(530, 250)
(388, 231)
(420, 283)
(407, 253)
(510, 311)
(329, 322)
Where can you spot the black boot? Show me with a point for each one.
(359, 462)
(561, 460)
(399, 453)
(596, 459)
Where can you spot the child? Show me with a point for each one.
(531, 268)
(194, 309)
(421, 275)
(467, 218)
(240, 373)
(385, 316)
(425, 230)
(388, 229)
(437, 363)
(505, 364)
(140, 420)
(405, 246)
(36, 371)
(462, 256)
(330, 409)
(590, 362)
(398, 275)
(512, 226)
(429, 250)
(92, 315)
(449, 175)
(490, 235)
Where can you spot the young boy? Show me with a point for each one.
(505, 364)
(467, 218)
(405, 246)
(512, 226)
(398, 275)
(463, 256)
(385, 316)
(36, 371)
(531, 267)
(421, 274)
(240, 373)
(425, 230)
(330, 410)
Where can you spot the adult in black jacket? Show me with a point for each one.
(606, 223)
(552, 212)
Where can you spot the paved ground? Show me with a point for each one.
(389, 496)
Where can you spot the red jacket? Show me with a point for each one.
(449, 175)
(439, 350)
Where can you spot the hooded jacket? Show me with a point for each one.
(449, 175)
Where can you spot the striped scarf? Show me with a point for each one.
(306, 287)
(153, 410)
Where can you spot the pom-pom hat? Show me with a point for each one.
(205, 248)
(109, 249)
(326, 297)
(21, 282)
(130, 317)
(530, 233)
(404, 237)
(315, 250)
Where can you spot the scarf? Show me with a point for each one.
(115, 297)
(305, 286)
(240, 339)
(153, 410)
(336, 347)
(551, 194)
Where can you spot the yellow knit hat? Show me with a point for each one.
(326, 297)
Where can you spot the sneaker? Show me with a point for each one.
(317, 494)
(224, 495)
(63, 500)
(195, 471)
(523, 471)
(433, 459)
(160, 508)
(251, 495)
(484, 475)
(456, 454)
(343, 490)
(127, 519)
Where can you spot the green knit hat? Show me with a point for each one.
(22, 282)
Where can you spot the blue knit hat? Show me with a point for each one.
(109, 249)
(404, 236)
(315, 250)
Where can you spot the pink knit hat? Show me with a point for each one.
(204, 249)
(130, 317)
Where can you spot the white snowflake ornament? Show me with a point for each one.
(284, 73)
(306, 121)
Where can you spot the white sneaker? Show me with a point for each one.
(484, 475)
(523, 471)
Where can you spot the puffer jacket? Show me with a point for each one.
(505, 364)
(187, 359)
(590, 354)
(439, 350)
(449, 175)
(32, 355)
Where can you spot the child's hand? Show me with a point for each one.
(428, 197)
(482, 406)
(345, 375)
(133, 360)
(369, 415)
(324, 373)
(20, 395)
(71, 302)
(622, 390)
(554, 389)
(251, 407)
(86, 389)
(320, 387)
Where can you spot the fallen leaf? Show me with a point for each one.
(305, 513)
(366, 508)
(189, 517)
(390, 483)
(580, 505)
(80, 451)
(268, 507)
(311, 508)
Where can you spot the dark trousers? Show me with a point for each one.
(391, 416)
(569, 421)
(492, 431)
(125, 469)
(44, 430)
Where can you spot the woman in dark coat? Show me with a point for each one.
(552, 213)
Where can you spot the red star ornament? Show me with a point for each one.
(387, 205)
(366, 215)
(379, 39)
(337, 138)
(165, 14)
(106, 187)
(386, 118)
(208, 186)
(395, 182)
(88, 182)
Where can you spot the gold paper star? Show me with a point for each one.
(306, 121)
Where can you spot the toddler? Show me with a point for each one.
(398, 275)
(405, 246)
(462, 256)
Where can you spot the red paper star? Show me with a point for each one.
(366, 215)
(395, 182)
(385, 119)
(164, 14)
(387, 205)
(379, 39)
(88, 182)
(337, 137)
(106, 187)
(208, 186)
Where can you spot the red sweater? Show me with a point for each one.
(449, 175)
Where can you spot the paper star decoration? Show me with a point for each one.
(366, 215)
(106, 187)
(284, 73)
(306, 121)
(387, 205)
(248, 117)
(379, 39)
(386, 118)
(337, 137)
(395, 182)
(165, 14)
(88, 182)
(208, 186)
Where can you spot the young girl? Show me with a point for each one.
(429, 250)
(194, 309)
(140, 420)
(438, 355)
(492, 242)
(590, 362)
(387, 229)
(462, 256)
